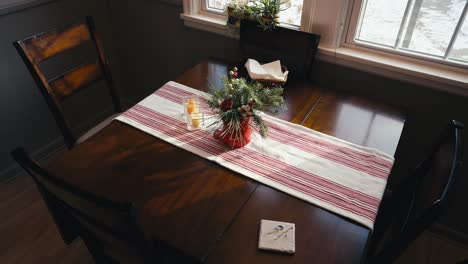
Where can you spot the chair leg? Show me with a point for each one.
(67, 231)
(97, 253)
(382, 223)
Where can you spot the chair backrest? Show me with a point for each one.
(295, 49)
(109, 229)
(37, 49)
(423, 197)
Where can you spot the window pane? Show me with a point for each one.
(431, 25)
(292, 15)
(460, 48)
(381, 21)
(217, 4)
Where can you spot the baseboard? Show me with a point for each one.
(57, 145)
(42, 154)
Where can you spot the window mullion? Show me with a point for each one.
(192, 7)
(411, 23)
(204, 5)
(456, 31)
(307, 16)
(403, 24)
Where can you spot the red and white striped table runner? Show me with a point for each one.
(334, 174)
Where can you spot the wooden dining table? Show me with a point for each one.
(213, 214)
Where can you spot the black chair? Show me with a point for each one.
(295, 49)
(419, 200)
(109, 229)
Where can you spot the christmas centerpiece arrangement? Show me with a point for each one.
(237, 105)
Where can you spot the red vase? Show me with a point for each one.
(229, 138)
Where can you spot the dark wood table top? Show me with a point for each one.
(213, 214)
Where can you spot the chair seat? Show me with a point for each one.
(97, 128)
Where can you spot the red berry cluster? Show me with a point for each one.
(226, 105)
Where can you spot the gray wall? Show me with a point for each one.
(154, 47)
(25, 118)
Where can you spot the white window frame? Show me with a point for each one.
(356, 18)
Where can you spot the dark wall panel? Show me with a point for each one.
(154, 46)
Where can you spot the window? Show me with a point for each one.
(430, 29)
(290, 17)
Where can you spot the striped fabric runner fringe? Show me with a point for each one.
(337, 175)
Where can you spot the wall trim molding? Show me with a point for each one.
(18, 5)
(172, 2)
(42, 154)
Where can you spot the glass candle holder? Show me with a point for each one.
(195, 119)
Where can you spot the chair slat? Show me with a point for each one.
(45, 45)
(68, 83)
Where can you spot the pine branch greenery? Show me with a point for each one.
(237, 104)
(265, 12)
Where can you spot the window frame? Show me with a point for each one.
(355, 18)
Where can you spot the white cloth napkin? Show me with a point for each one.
(270, 71)
(277, 236)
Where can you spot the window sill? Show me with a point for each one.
(15, 6)
(207, 23)
(441, 77)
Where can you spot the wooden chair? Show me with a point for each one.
(41, 47)
(109, 229)
(419, 200)
(295, 49)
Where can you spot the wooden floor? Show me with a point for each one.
(28, 234)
